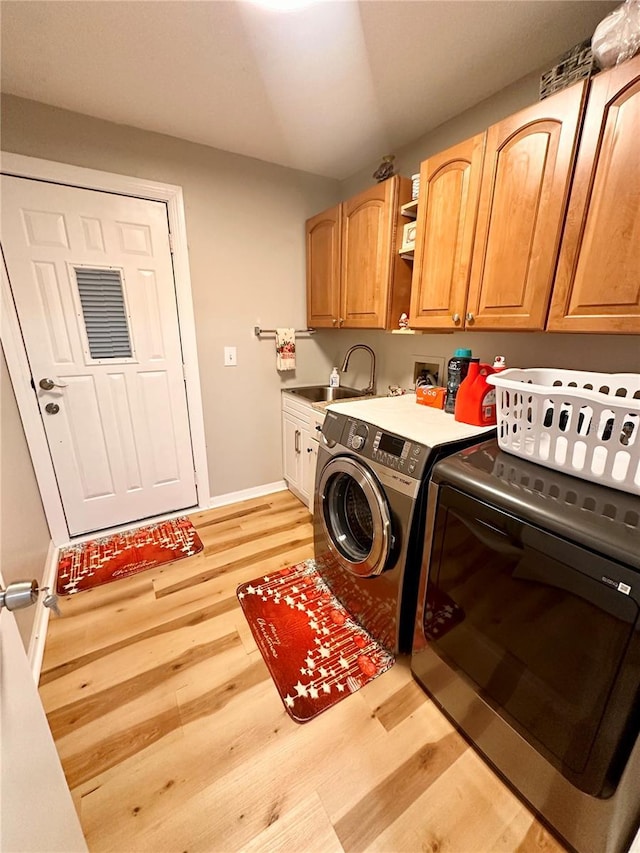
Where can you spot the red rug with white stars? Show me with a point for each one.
(121, 555)
(316, 653)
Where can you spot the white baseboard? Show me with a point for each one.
(247, 494)
(41, 621)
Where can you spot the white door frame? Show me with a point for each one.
(14, 349)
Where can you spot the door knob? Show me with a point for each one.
(49, 384)
(455, 318)
(52, 408)
(21, 594)
(469, 317)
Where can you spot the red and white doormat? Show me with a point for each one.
(120, 555)
(316, 653)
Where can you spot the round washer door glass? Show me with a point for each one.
(355, 516)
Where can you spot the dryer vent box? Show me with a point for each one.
(432, 370)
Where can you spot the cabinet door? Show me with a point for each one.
(323, 268)
(315, 427)
(525, 180)
(309, 462)
(597, 287)
(447, 210)
(367, 244)
(292, 448)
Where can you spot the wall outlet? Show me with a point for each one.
(230, 357)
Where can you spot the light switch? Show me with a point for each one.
(230, 357)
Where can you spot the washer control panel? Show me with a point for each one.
(387, 449)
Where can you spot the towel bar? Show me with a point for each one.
(258, 332)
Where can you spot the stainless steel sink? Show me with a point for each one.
(323, 394)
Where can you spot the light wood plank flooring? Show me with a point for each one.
(173, 737)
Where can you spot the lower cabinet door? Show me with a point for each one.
(292, 447)
(309, 464)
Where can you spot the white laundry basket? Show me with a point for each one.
(582, 423)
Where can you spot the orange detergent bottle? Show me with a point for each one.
(476, 399)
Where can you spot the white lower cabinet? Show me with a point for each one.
(311, 454)
(300, 433)
(292, 430)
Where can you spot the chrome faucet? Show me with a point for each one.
(371, 388)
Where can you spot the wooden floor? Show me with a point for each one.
(173, 737)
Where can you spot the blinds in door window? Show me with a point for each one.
(104, 311)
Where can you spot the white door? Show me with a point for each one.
(92, 279)
(36, 809)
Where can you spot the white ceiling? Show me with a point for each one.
(327, 88)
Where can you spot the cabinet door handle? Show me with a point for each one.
(341, 321)
(297, 441)
(334, 321)
(455, 318)
(309, 450)
(469, 317)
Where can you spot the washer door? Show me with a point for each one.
(355, 516)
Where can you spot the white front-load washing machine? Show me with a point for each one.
(374, 459)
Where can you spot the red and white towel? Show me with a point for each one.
(285, 349)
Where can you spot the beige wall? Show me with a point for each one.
(397, 355)
(515, 97)
(245, 224)
(24, 535)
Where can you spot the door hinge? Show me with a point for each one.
(184, 372)
(171, 242)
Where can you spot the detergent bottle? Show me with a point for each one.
(456, 372)
(476, 399)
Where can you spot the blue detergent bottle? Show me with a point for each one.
(457, 369)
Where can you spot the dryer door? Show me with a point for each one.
(355, 516)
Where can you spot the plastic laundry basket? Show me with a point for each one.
(585, 424)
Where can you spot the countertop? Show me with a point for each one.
(403, 416)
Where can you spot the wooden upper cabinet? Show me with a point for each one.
(376, 282)
(447, 210)
(324, 235)
(597, 285)
(526, 174)
(355, 276)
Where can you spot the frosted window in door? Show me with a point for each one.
(104, 312)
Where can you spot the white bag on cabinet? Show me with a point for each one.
(617, 37)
